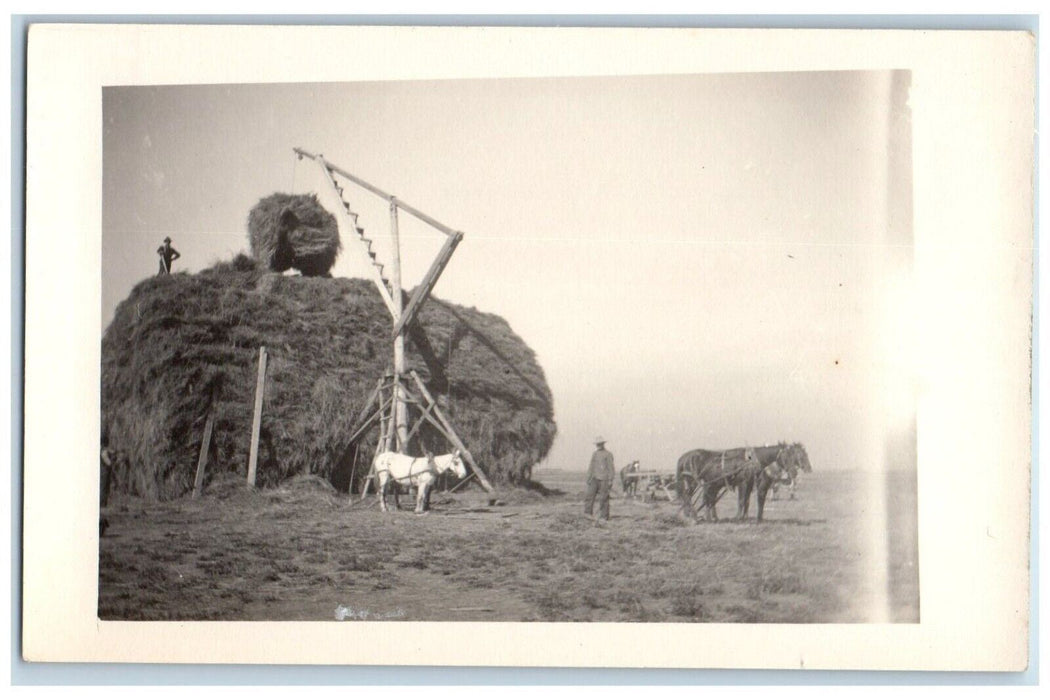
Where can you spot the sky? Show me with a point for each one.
(697, 261)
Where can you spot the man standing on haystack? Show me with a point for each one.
(599, 480)
(167, 256)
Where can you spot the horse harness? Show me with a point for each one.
(772, 471)
(775, 466)
(431, 469)
(777, 473)
(724, 478)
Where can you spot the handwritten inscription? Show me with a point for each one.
(343, 612)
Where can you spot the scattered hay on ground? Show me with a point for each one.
(307, 489)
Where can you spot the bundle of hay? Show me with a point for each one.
(181, 346)
(294, 232)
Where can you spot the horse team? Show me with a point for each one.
(701, 477)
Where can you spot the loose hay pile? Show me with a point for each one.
(182, 345)
(294, 232)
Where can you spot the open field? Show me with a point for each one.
(300, 552)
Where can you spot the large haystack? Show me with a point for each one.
(180, 345)
(288, 231)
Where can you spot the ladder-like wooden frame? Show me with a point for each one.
(392, 412)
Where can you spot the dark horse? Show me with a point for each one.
(710, 471)
(790, 480)
(706, 473)
(787, 462)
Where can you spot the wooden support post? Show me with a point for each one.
(364, 426)
(374, 190)
(451, 433)
(260, 389)
(367, 405)
(420, 421)
(384, 423)
(367, 416)
(349, 227)
(425, 416)
(400, 427)
(429, 280)
(198, 482)
(353, 475)
(463, 482)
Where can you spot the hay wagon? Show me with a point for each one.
(655, 483)
(666, 484)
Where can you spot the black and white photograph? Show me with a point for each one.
(644, 348)
(566, 319)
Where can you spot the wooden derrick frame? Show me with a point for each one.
(378, 409)
(392, 413)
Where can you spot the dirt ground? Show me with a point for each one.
(303, 552)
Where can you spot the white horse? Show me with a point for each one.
(420, 472)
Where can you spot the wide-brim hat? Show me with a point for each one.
(599, 440)
(167, 239)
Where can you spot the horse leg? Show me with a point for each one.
(422, 487)
(686, 492)
(382, 491)
(762, 490)
(743, 499)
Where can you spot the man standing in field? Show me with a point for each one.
(599, 480)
